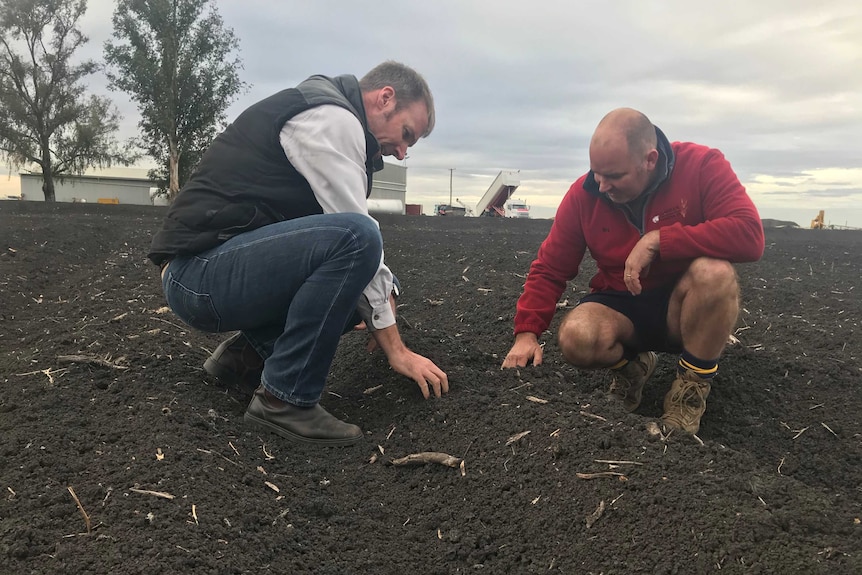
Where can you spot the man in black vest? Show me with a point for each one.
(271, 236)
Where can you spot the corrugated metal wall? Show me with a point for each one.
(89, 189)
(390, 183)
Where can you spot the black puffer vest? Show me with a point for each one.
(244, 181)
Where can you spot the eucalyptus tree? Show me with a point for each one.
(179, 64)
(48, 123)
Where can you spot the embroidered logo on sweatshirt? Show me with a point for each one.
(674, 213)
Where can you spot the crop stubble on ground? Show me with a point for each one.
(775, 487)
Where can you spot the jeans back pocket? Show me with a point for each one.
(195, 309)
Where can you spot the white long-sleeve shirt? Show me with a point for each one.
(326, 144)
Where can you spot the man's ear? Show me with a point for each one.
(386, 97)
(652, 158)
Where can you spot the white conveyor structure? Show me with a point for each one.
(494, 201)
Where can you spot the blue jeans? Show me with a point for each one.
(291, 287)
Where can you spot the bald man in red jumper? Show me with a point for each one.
(665, 223)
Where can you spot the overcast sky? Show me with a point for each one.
(775, 84)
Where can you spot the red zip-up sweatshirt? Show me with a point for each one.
(702, 210)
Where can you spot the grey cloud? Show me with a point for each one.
(833, 193)
(522, 85)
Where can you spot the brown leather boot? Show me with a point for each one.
(236, 363)
(313, 425)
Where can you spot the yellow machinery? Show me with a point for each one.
(817, 223)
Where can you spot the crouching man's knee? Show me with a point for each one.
(709, 275)
(364, 235)
(578, 342)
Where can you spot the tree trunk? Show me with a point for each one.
(48, 188)
(48, 180)
(174, 185)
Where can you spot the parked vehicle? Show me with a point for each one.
(517, 209)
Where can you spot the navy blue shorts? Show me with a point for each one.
(648, 313)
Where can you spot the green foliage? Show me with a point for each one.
(47, 122)
(175, 58)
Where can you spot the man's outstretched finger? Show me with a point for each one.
(444, 384)
(423, 387)
(442, 381)
(435, 386)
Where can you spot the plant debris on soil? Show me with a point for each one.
(118, 454)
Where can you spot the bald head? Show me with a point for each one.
(625, 129)
(623, 154)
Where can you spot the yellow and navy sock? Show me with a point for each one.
(628, 355)
(620, 364)
(703, 368)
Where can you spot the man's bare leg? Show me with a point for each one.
(702, 312)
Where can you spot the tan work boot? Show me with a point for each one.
(628, 382)
(685, 403)
(236, 363)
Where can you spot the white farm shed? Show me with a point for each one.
(131, 186)
(390, 183)
(112, 185)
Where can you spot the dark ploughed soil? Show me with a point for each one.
(774, 488)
